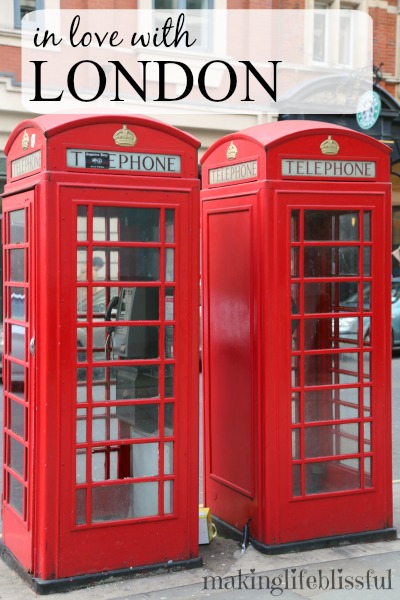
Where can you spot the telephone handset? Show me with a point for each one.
(111, 305)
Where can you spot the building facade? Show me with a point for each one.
(208, 128)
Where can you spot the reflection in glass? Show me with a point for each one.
(326, 405)
(367, 261)
(368, 472)
(169, 381)
(332, 476)
(326, 261)
(16, 456)
(296, 475)
(17, 302)
(17, 226)
(17, 265)
(124, 501)
(169, 264)
(81, 265)
(81, 466)
(17, 418)
(18, 379)
(168, 419)
(130, 264)
(15, 494)
(105, 463)
(81, 425)
(168, 497)
(295, 444)
(81, 224)
(331, 440)
(123, 223)
(17, 342)
(169, 226)
(325, 225)
(168, 458)
(295, 407)
(294, 226)
(81, 506)
(367, 226)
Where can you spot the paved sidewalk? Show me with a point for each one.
(352, 572)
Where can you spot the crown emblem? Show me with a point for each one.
(231, 152)
(124, 137)
(25, 141)
(329, 146)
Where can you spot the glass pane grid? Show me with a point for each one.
(330, 432)
(126, 452)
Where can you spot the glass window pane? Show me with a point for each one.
(139, 304)
(81, 506)
(145, 460)
(169, 341)
(17, 342)
(17, 302)
(368, 472)
(136, 342)
(328, 369)
(81, 425)
(169, 381)
(168, 497)
(295, 444)
(17, 226)
(123, 223)
(129, 264)
(294, 226)
(367, 261)
(17, 418)
(124, 501)
(15, 494)
(169, 304)
(16, 456)
(138, 421)
(168, 419)
(17, 265)
(81, 265)
(168, 458)
(169, 264)
(332, 476)
(81, 466)
(332, 297)
(296, 483)
(82, 224)
(367, 226)
(331, 440)
(169, 226)
(137, 382)
(17, 379)
(325, 261)
(325, 225)
(326, 405)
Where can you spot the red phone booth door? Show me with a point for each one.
(126, 462)
(18, 376)
(336, 442)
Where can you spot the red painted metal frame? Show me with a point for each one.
(278, 517)
(56, 547)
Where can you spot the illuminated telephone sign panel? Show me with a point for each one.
(102, 342)
(296, 222)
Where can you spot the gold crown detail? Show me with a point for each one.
(124, 137)
(231, 152)
(25, 141)
(329, 146)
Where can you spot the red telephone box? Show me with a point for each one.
(101, 267)
(296, 220)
